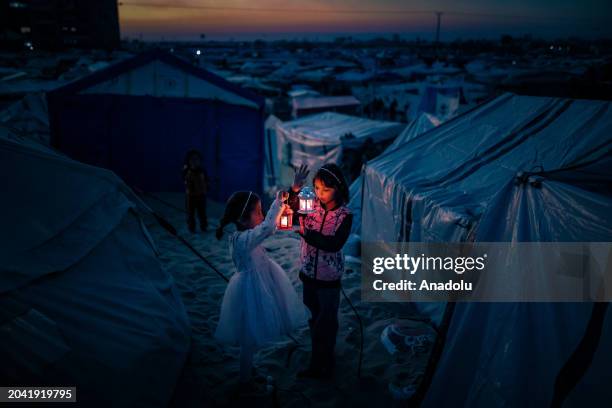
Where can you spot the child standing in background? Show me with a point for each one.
(196, 187)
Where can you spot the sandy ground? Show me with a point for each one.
(210, 376)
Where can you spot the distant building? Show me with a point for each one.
(57, 24)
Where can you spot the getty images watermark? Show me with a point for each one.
(487, 272)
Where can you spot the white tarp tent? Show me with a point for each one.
(321, 138)
(463, 183)
(84, 300)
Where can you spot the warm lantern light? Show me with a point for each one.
(285, 220)
(307, 197)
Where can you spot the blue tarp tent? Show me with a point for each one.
(521, 348)
(469, 181)
(84, 300)
(140, 116)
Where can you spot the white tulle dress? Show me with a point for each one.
(260, 303)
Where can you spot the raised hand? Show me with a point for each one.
(299, 178)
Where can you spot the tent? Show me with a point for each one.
(307, 105)
(422, 124)
(525, 350)
(324, 137)
(29, 117)
(441, 100)
(469, 180)
(139, 117)
(84, 300)
(435, 188)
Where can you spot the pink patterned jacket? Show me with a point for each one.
(326, 232)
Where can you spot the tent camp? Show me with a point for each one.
(84, 300)
(324, 137)
(515, 169)
(140, 116)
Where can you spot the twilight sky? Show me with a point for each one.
(271, 19)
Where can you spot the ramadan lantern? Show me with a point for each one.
(285, 221)
(306, 197)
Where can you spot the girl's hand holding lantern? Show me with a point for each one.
(282, 196)
(285, 216)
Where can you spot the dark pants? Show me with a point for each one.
(323, 304)
(195, 204)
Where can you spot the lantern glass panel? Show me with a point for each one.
(306, 198)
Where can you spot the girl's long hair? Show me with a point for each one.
(338, 182)
(234, 207)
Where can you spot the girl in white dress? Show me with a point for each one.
(260, 303)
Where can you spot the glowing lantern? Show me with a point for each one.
(285, 221)
(307, 197)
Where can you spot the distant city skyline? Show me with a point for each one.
(154, 20)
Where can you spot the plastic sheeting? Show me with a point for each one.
(520, 348)
(321, 138)
(84, 298)
(435, 188)
(418, 126)
(460, 184)
(442, 101)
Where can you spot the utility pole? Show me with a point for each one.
(439, 17)
(437, 43)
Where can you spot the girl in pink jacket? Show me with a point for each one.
(324, 232)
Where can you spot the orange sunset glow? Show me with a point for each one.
(154, 19)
